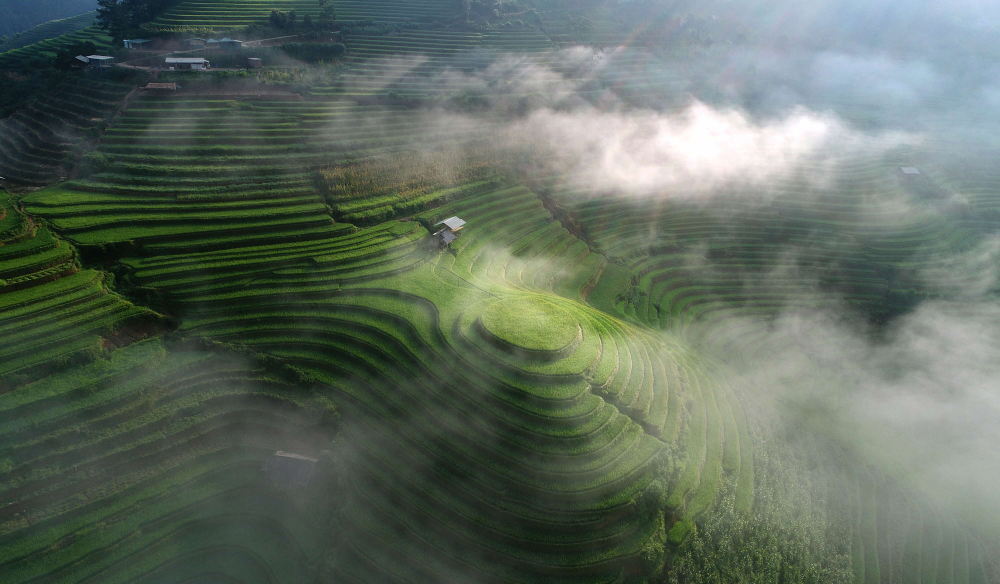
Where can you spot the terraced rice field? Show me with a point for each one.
(149, 471)
(49, 30)
(523, 406)
(40, 54)
(210, 206)
(571, 438)
(51, 310)
(195, 174)
(223, 14)
(41, 142)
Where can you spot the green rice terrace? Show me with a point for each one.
(533, 291)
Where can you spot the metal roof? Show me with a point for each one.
(82, 58)
(285, 454)
(100, 58)
(448, 236)
(186, 60)
(909, 170)
(453, 223)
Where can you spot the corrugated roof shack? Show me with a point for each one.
(187, 63)
(136, 43)
(96, 61)
(160, 88)
(290, 470)
(449, 233)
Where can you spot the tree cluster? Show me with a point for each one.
(122, 17)
(282, 20)
(66, 56)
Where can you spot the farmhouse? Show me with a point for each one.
(188, 63)
(96, 61)
(135, 43)
(453, 223)
(288, 469)
(449, 233)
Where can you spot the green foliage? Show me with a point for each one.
(124, 17)
(762, 547)
(679, 531)
(66, 56)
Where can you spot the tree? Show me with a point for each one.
(278, 19)
(120, 17)
(326, 13)
(66, 57)
(112, 16)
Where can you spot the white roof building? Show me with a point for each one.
(453, 223)
(912, 170)
(196, 63)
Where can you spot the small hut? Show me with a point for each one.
(99, 61)
(449, 233)
(254, 63)
(909, 170)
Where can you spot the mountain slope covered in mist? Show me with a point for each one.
(20, 15)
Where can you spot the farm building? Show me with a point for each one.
(96, 61)
(453, 223)
(228, 43)
(909, 170)
(188, 63)
(288, 469)
(449, 233)
(255, 63)
(136, 43)
(160, 87)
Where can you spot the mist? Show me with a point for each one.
(915, 395)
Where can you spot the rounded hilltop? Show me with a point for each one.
(530, 323)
